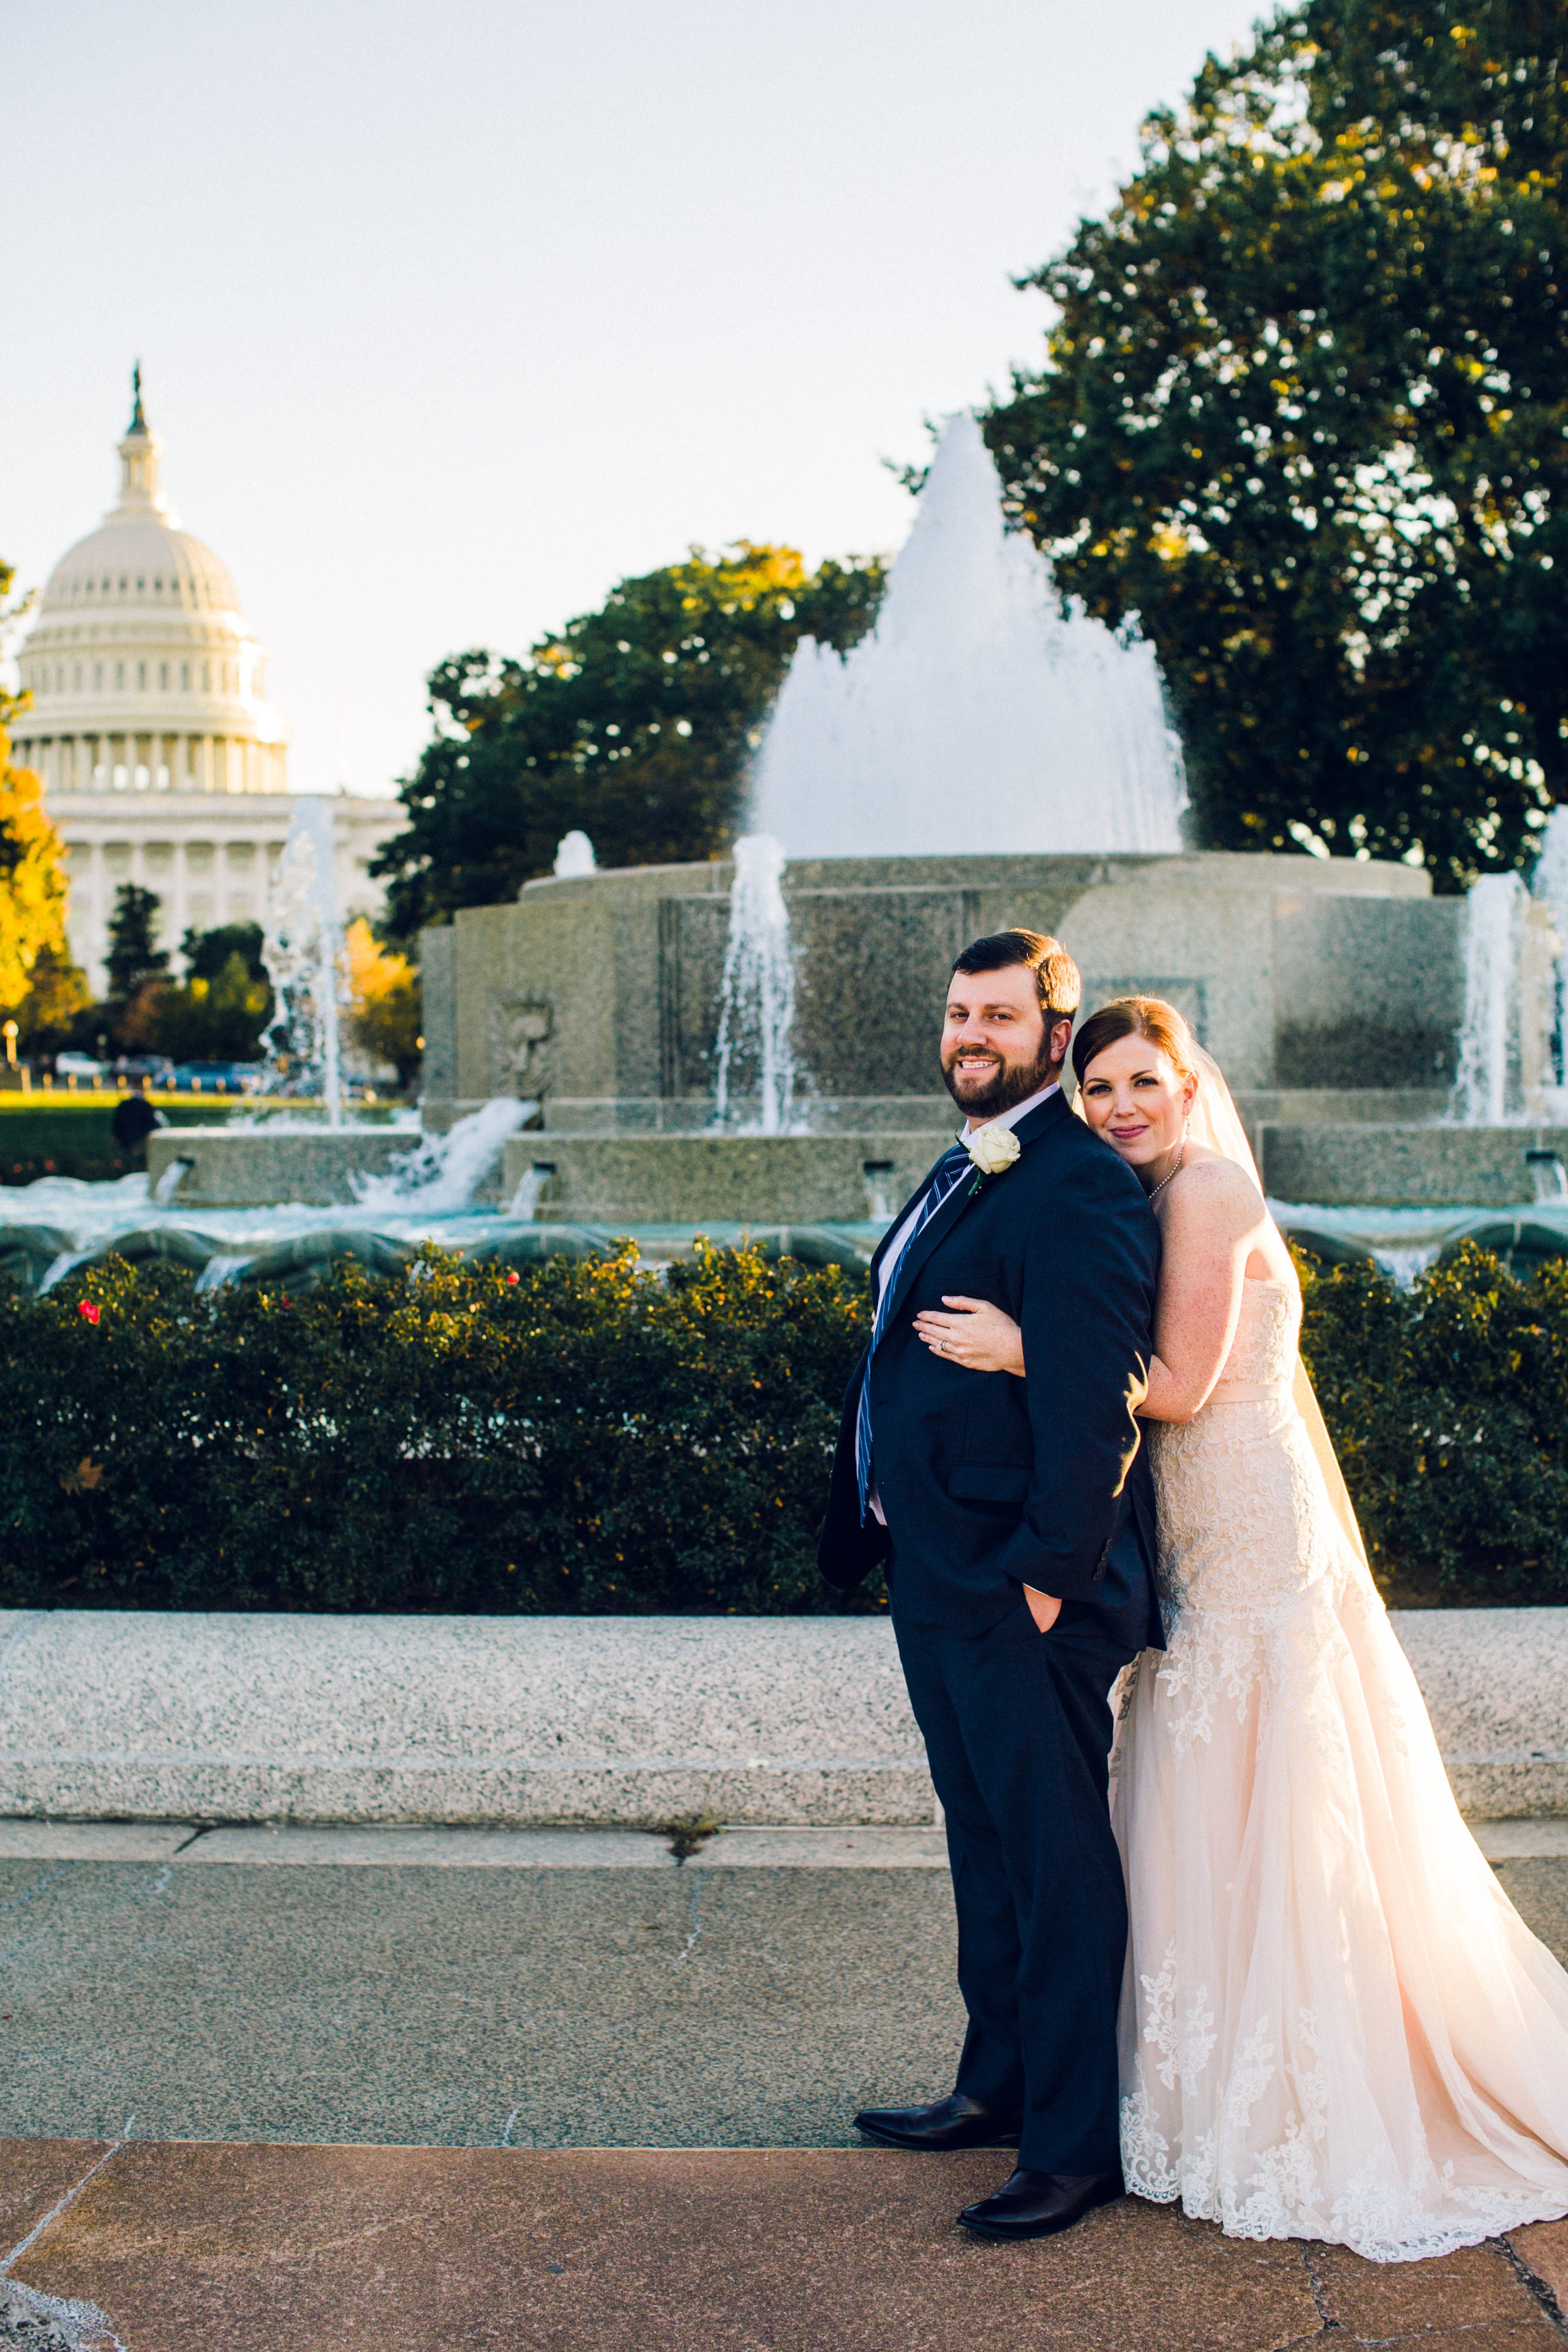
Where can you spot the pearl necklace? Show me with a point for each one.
(1176, 1171)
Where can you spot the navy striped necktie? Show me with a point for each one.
(950, 1170)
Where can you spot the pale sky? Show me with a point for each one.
(450, 315)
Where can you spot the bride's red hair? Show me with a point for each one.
(1135, 1016)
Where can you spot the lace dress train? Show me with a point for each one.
(1335, 2023)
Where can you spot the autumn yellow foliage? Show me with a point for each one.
(32, 880)
(385, 988)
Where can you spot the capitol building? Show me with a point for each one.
(161, 760)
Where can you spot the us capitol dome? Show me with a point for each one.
(161, 759)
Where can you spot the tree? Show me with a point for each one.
(1304, 410)
(135, 957)
(226, 1003)
(32, 855)
(385, 993)
(49, 1017)
(205, 953)
(634, 723)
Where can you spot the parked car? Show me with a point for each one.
(218, 1077)
(156, 1069)
(80, 1065)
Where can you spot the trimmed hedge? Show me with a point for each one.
(576, 1436)
(568, 1435)
(1448, 1404)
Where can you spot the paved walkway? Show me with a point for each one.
(257, 2089)
(209, 2247)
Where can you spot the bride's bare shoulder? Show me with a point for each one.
(1208, 1189)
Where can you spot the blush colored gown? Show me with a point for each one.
(1334, 2025)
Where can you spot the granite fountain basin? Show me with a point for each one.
(632, 1179)
(1395, 1165)
(260, 1167)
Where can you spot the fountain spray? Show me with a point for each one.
(758, 1002)
(303, 954)
(1486, 1084)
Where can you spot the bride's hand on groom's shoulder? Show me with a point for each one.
(975, 1334)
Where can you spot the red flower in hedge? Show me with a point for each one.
(88, 1311)
(511, 1277)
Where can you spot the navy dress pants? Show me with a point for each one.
(1018, 1730)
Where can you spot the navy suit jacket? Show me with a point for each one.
(989, 1482)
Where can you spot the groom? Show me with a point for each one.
(988, 1500)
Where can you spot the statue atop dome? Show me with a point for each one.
(138, 455)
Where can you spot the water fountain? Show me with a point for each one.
(447, 1174)
(1488, 1084)
(303, 955)
(303, 1147)
(1550, 887)
(757, 1005)
(977, 714)
(170, 1180)
(442, 1190)
(748, 1043)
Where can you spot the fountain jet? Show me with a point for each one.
(977, 715)
(1488, 1084)
(757, 1011)
(303, 954)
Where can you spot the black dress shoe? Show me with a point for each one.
(947, 2124)
(1039, 2204)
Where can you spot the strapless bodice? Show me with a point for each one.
(1262, 1358)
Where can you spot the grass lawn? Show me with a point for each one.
(61, 1134)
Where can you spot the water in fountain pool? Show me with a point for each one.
(59, 1222)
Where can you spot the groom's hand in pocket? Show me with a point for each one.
(1042, 1607)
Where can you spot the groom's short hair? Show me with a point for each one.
(1056, 976)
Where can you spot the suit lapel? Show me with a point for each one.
(937, 1227)
(897, 1224)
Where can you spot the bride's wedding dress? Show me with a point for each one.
(1335, 2023)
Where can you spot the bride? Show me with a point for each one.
(1334, 2025)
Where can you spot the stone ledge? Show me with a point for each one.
(594, 1722)
(1336, 1164)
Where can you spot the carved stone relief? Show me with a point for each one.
(518, 1030)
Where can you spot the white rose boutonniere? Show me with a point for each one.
(992, 1148)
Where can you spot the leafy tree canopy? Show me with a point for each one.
(32, 855)
(634, 723)
(134, 956)
(1304, 410)
(51, 1014)
(205, 953)
(219, 1012)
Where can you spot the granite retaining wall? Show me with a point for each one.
(147, 1716)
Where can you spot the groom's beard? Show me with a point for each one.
(985, 1094)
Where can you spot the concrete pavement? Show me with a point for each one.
(215, 2248)
(416, 2105)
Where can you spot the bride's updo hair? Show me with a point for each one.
(1135, 1016)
